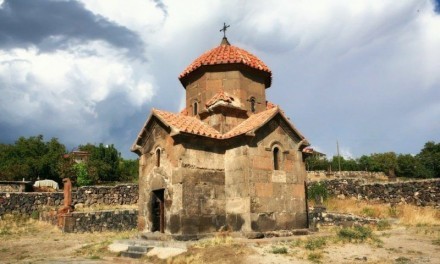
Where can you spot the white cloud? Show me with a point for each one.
(365, 72)
(68, 85)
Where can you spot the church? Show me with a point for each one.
(230, 160)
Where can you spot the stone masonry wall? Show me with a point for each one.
(98, 221)
(15, 186)
(28, 202)
(420, 192)
(366, 175)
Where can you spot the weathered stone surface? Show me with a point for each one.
(28, 202)
(418, 192)
(98, 221)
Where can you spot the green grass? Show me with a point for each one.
(315, 257)
(315, 243)
(383, 225)
(355, 234)
(279, 250)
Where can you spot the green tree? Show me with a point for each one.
(82, 175)
(103, 162)
(384, 162)
(315, 163)
(429, 156)
(31, 158)
(128, 170)
(411, 167)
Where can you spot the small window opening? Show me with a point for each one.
(195, 110)
(252, 104)
(158, 157)
(276, 164)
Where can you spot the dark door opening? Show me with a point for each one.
(158, 211)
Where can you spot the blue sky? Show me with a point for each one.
(365, 73)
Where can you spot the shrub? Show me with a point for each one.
(315, 257)
(357, 233)
(383, 225)
(279, 250)
(317, 189)
(315, 243)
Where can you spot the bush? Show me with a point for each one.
(383, 225)
(279, 250)
(317, 189)
(357, 233)
(82, 175)
(315, 243)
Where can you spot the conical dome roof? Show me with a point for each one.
(227, 54)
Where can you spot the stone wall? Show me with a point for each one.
(420, 192)
(29, 202)
(98, 221)
(366, 175)
(319, 216)
(15, 186)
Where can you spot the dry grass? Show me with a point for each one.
(218, 240)
(409, 215)
(12, 226)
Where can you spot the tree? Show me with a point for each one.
(379, 162)
(315, 163)
(411, 167)
(82, 175)
(429, 156)
(103, 162)
(128, 170)
(31, 158)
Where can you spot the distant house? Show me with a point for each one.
(78, 156)
(309, 151)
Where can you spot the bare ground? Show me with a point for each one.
(37, 242)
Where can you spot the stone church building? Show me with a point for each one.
(230, 159)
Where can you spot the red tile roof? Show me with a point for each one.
(226, 54)
(192, 125)
(186, 124)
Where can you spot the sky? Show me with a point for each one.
(363, 73)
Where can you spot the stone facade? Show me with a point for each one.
(229, 160)
(29, 202)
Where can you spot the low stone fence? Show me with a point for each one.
(97, 221)
(319, 216)
(15, 186)
(365, 175)
(420, 192)
(29, 202)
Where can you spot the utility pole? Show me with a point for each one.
(339, 156)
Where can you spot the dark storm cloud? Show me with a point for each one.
(437, 6)
(52, 25)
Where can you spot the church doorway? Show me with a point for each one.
(158, 211)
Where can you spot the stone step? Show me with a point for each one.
(135, 255)
(136, 251)
(139, 248)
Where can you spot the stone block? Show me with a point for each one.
(264, 189)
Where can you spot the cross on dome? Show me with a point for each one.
(224, 29)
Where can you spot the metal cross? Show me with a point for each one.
(224, 29)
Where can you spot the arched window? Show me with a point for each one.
(276, 158)
(195, 110)
(252, 100)
(158, 157)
